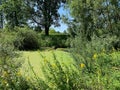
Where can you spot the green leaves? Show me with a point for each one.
(14, 12)
(45, 12)
(94, 15)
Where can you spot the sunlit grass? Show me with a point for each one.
(36, 58)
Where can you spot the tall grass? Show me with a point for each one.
(104, 74)
(10, 75)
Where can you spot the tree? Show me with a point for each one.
(14, 11)
(44, 12)
(92, 16)
(1, 17)
(83, 13)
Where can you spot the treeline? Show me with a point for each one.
(41, 13)
(88, 17)
(27, 39)
(94, 17)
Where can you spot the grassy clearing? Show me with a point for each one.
(36, 59)
(108, 70)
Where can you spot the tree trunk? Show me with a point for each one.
(46, 31)
(1, 20)
(16, 19)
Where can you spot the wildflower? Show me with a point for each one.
(5, 74)
(53, 85)
(28, 78)
(18, 73)
(53, 65)
(82, 65)
(98, 72)
(95, 56)
(7, 84)
(45, 60)
(4, 82)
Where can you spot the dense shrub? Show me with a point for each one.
(101, 74)
(26, 39)
(116, 44)
(99, 62)
(57, 41)
(10, 63)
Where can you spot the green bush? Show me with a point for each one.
(100, 68)
(10, 63)
(56, 41)
(116, 44)
(26, 39)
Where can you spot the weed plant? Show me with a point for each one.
(98, 60)
(10, 75)
(95, 67)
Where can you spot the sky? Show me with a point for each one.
(63, 27)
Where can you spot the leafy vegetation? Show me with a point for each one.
(96, 57)
(92, 16)
(54, 40)
(10, 75)
(85, 57)
(26, 39)
(20, 12)
(56, 72)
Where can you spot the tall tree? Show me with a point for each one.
(14, 11)
(95, 15)
(44, 12)
(1, 16)
(82, 12)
